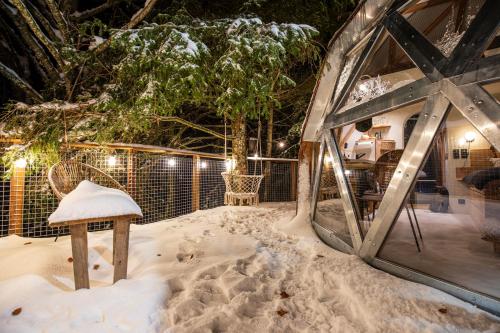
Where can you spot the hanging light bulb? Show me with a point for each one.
(230, 164)
(112, 161)
(20, 163)
(281, 144)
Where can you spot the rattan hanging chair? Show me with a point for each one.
(241, 189)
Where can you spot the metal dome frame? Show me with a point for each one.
(448, 81)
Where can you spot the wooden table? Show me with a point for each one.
(79, 246)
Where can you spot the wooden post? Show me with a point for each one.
(131, 176)
(121, 232)
(293, 180)
(80, 255)
(195, 188)
(16, 201)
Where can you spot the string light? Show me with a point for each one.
(112, 161)
(230, 164)
(20, 163)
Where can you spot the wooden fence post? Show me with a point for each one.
(196, 183)
(16, 201)
(131, 176)
(293, 176)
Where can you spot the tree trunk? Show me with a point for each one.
(239, 135)
(269, 153)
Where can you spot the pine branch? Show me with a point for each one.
(141, 14)
(60, 21)
(35, 28)
(37, 50)
(191, 125)
(134, 21)
(12, 76)
(47, 25)
(82, 16)
(60, 106)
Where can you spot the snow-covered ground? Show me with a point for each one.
(228, 269)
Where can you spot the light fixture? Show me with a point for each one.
(461, 142)
(281, 144)
(256, 155)
(230, 163)
(20, 163)
(171, 162)
(112, 161)
(203, 165)
(470, 137)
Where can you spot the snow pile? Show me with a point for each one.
(226, 269)
(89, 200)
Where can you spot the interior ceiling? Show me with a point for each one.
(428, 17)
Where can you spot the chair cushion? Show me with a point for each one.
(90, 201)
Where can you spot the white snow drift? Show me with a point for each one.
(89, 200)
(229, 269)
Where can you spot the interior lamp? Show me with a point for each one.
(203, 165)
(281, 144)
(20, 163)
(112, 161)
(171, 162)
(470, 137)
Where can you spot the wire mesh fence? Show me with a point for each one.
(164, 185)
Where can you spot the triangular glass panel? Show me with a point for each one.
(371, 150)
(329, 210)
(494, 47)
(493, 89)
(450, 226)
(442, 22)
(388, 68)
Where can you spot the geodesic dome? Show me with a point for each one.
(421, 77)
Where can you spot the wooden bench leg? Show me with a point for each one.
(80, 251)
(121, 234)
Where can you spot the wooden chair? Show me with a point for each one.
(385, 167)
(64, 177)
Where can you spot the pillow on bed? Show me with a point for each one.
(480, 178)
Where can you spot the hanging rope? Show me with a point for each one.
(258, 148)
(225, 138)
